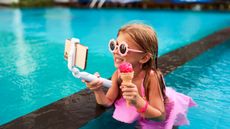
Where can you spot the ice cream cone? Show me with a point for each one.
(127, 78)
(126, 74)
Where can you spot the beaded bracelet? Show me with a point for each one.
(143, 109)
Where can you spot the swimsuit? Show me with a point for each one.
(176, 111)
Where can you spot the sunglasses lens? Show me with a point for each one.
(123, 49)
(112, 45)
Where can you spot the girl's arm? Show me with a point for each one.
(102, 98)
(155, 109)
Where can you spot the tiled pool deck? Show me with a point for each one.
(76, 110)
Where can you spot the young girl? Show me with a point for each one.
(151, 104)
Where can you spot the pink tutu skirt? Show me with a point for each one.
(176, 112)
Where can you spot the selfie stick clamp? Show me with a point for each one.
(82, 75)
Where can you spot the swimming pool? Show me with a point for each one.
(33, 72)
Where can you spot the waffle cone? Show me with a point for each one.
(127, 77)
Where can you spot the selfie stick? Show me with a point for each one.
(82, 75)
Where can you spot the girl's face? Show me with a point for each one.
(131, 57)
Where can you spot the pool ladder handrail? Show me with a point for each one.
(100, 4)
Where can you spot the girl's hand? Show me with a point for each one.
(94, 85)
(130, 92)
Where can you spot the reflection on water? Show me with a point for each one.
(33, 72)
(25, 62)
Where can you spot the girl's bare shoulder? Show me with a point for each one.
(153, 80)
(152, 75)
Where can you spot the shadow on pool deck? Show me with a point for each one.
(76, 110)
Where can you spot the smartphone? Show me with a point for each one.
(81, 54)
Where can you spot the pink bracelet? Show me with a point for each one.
(143, 109)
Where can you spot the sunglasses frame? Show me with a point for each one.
(117, 47)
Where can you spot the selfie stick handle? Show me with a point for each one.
(90, 77)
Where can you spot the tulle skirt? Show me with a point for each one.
(176, 112)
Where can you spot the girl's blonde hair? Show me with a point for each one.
(146, 38)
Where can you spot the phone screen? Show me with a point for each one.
(81, 53)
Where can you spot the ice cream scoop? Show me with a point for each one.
(125, 67)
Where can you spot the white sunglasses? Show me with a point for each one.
(123, 48)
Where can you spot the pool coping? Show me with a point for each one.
(76, 110)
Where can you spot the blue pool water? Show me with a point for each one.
(207, 80)
(33, 72)
(207, 83)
